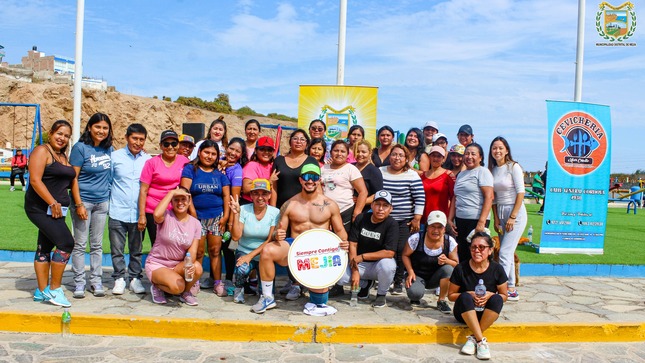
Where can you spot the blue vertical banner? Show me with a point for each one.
(575, 214)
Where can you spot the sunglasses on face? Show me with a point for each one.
(481, 248)
(319, 129)
(312, 177)
(170, 143)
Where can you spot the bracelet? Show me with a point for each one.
(511, 217)
(362, 258)
(79, 205)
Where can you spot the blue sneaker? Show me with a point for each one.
(56, 297)
(265, 303)
(38, 296)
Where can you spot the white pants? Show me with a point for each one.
(509, 240)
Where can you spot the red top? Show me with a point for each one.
(439, 192)
(19, 161)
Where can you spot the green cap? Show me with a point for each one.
(310, 168)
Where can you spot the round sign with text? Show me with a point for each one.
(316, 260)
(579, 143)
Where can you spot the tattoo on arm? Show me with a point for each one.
(323, 205)
(283, 210)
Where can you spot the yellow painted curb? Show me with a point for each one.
(222, 330)
(156, 327)
(499, 333)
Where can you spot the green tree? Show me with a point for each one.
(247, 111)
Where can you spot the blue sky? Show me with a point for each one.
(491, 64)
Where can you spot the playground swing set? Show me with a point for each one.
(5, 168)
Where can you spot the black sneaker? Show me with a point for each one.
(379, 302)
(442, 306)
(397, 289)
(337, 290)
(365, 291)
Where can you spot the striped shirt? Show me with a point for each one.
(408, 197)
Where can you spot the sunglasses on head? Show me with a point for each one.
(312, 177)
(170, 143)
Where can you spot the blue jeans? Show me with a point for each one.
(93, 227)
(118, 231)
(242, 272)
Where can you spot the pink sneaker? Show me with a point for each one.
(195, 289)
(188, 299)
(158, 296)
(220, 290)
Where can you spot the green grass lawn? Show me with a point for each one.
(623, 245)
(19, 234)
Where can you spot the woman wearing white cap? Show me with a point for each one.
(438, 184)
(429, 259)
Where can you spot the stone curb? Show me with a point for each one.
(244, 331)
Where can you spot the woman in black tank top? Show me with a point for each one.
(46, 203)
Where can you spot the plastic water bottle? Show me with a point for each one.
(188, 263)
(66, 322)
(226, 236)
(480, 291)
(530, 234)
(353, 301)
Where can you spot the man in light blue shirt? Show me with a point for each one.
(127, 164)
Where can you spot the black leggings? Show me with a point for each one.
(151, 226)
(52, 232)
(465, 302)
(229, 260)
(346, 216)
(404, 234)
(20, 175)
(464, 227)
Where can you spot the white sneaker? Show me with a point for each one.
(137, 287)
(294, 293)
(437, 291)
(470, 346)
(119, 286)
(319, 310)
(24, 189)
(482, 350)
(12, 189)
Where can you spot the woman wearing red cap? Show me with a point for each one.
(259, 167)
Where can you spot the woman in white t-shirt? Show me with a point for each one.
(508, 206)
(340, 179)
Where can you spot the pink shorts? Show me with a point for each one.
(154, 264)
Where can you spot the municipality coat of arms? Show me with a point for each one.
(616, 23)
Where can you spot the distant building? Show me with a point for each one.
(38, 61)
(1, 53)
(55, 64)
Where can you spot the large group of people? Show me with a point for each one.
(411, 216)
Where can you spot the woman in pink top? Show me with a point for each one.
(179, 234)
(259, 167)
(160, 175)
(339, 179)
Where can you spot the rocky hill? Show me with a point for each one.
(16, 123)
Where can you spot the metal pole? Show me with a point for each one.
(78, 70)
(580, 50)
(342, 27)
